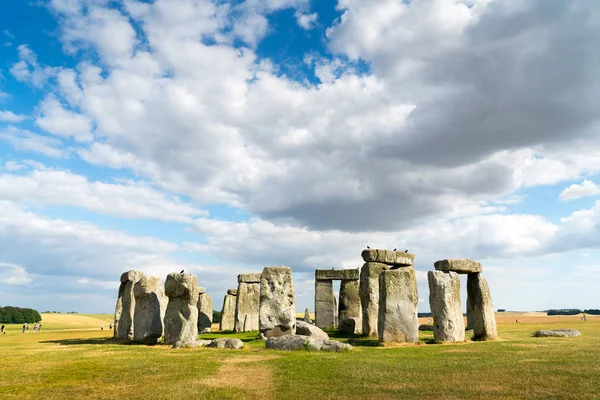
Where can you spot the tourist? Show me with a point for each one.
(24, 327)
(102, 327)
(110, 327)
(2, 330)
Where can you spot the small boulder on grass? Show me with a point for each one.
(557, 333)
(306, 329)
(425, 327)
(226, 343)
(301, 342)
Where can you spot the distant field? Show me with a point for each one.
(73, 359)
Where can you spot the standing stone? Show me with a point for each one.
(444, 300)
(324, 304)
(228, 311)
(181, 317)
(369, 296)
(125, 308)
(335, 311)
(469, 314)
(484, 319)
(205, 311)
(307, 316)
(150, 308)
(277, 313)
(350, 314)
(248, 296)
(398, 301)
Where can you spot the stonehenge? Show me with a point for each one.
(150, 308)
(247, 303)
(125, 308)
(228, 311)
(277, 312)
(181, 317)
(205, 311)
(327, 315)
(398, 300)
(482, 310)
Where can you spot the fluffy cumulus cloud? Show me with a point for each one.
(422, 126)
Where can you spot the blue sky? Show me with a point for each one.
(220, 137)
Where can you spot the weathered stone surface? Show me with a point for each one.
(205, 313)
(557, 333)
(125, 308)
(388, 257)
(232, 292)
(335, 311)
(484, 318)
(226, 343)
(253, 277)
(350, 313)
(150, 308)
(277, 314)
(300, 342)
(306, 329)
(369, 296)
(246, 311)
(425, 327)
(337, 274)
(181, 317)
(458, 265)
(469, 314)
(201, 290)
(444, 301)
(398, 301)
(307, 316)
(228, 313)
(324, 304)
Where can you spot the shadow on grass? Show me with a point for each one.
(245, 337)
(74, 342)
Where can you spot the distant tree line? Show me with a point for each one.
(216, 317)
(424, 315)
(573, 311)
(17, 315)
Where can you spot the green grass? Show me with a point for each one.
(87, 364)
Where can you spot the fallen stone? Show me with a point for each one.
(306, 329)
(369, 296)
(398, 301)
(446, 310)
(482, 309)
(458, 265)
(425, 327)
(205, 313)
(337, 274)
(226, 343)
(277, 315)
(557, 333)
(150, 308)
(181, 317)
(388, 257)
(350, 313)
(125, 308)
(300, 342)
(253, 277)
(247, 307)
(228, 312)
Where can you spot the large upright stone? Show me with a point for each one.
(181, 317)
(398, 301)
(228, 311)
(369, 296)
(458, 265)
(389, 257)
(324, 304)
(350, 314)
(205, 312)
(444, 300)
(150, 308)
(248, 297)
(307, 318)
(484, 318)
(469, 314)
(277, 313)
(125, 307)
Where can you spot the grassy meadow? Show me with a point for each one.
(72, 358)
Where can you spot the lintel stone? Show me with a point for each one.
(458, 265)
(389, 257)
(253, 277)
(337, 274)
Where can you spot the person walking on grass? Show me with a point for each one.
(2, 330)
(24, 327)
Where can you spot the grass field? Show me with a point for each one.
(72, 358)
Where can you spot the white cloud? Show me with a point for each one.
(54, 119)
(12, 274)
(128, 200)
(28, 141)
(9, 116)
(576, 191)
(13, 166)
(28, 70)
(306, 21)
